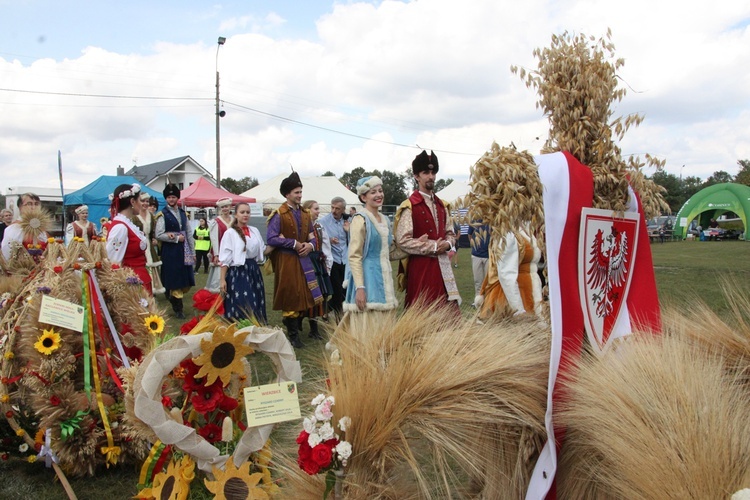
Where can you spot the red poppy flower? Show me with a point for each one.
(228, 404)
(191, 370)
(9, 414)
(76, 266)
(115, 267)
(54, 400)
(207, 399)
(98, 265)
(186, 327)
(5, 456)
(210, 432)
(166, 401)
(57, 269)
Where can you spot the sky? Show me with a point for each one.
(330, 86)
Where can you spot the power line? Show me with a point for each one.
(340, 132)
(108, 96)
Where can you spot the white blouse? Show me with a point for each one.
(231, 253)
(117, 238)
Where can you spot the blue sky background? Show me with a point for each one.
(336, 85)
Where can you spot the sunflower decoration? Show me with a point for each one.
(222, 355)
(235, 483)
(35, 221)
(172, 484)
(48, 342)
(154, 324)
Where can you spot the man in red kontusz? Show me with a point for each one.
(424, 230)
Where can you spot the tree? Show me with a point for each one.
(717, 178)
(349, 179)
(328, 174)
(674, 196)
(394, 184)
(441, 184)
(691, 185)
(743, 176)
(238, 186)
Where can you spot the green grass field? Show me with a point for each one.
(684, 271)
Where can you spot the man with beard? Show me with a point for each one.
(290, 236)
(177, 250)
(423, 229)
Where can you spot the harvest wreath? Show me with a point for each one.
(60, 390)
(186, 397)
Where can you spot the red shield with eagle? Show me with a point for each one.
(606, 254)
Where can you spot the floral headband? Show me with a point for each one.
(82, 208)
(134, 190)
(367, 183)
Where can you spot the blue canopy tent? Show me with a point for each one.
(96, 195)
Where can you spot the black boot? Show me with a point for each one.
(314, 332)
(292, 331)
(176, 307)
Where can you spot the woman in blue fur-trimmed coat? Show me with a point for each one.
(369, 283)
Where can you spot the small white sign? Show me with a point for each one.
(61, 313)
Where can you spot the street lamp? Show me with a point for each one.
(219, 114)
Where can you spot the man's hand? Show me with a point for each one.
(304, 249)
(334, 240)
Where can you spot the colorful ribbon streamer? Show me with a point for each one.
(46, 451)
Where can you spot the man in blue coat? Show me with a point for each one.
(177, 250)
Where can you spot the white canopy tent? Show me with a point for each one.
(320, 189)
(453, 191)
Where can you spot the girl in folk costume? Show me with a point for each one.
(369, 281)
(242, 249)
(216, 228)
(126, 244)
(512, 283)
(146, 222)
(81, 228)
(322, 260)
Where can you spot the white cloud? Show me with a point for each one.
(433, 73)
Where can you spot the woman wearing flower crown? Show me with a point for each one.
(241, 250)
(146, 222)
(81, 228)
(126, 244)
(369, 283)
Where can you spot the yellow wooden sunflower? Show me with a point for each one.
(48, 342)
(234, 484)
(222, 355)
(172, 484)
(154, 324)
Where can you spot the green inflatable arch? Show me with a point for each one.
(711, 202)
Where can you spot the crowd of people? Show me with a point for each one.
(323, 267)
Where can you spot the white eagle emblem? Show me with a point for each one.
(606, 253)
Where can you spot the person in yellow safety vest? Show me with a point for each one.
(202, 246)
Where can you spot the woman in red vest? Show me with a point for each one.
(126, 244)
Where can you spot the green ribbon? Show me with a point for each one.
(68, 427)
(86, 346)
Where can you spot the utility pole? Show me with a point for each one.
(219, 114)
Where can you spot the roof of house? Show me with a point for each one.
(147, 173)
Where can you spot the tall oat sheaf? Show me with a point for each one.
(439, 408)
(578, 84)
